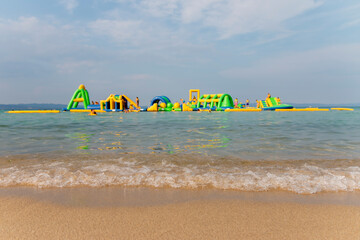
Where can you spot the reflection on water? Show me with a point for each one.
(257, 136)
(303, 152)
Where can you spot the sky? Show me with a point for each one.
(303, 51)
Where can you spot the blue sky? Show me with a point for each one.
(303, 51)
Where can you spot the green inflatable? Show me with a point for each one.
(80, 95)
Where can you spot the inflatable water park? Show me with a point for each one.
(80, 102)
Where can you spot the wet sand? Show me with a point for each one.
(113, 213)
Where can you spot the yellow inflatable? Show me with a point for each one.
(153, 108)
(33, 111)
(186, 108)
(176, 105)
(343, 109)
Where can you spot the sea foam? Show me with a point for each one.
(303, 177)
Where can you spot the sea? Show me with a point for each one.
(301, 152)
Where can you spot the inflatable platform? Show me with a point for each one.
(273, 103)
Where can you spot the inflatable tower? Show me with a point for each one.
(80, 95)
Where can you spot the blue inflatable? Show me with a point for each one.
(158, 99)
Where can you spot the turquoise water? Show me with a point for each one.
(304, 152)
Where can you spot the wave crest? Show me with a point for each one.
(303, 177)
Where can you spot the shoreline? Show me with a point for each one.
(115, 196)
(140, 213)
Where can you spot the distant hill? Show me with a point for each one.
(31, 106)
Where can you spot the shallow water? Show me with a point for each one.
(304, 152)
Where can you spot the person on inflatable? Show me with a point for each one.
(194, 100)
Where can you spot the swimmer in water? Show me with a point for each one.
(92, 112)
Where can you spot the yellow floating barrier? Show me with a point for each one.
(303, 110)
(85, 110)
(34, 111)
(342, 109)
(243, 110)
(79, 110)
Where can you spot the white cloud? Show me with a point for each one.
(230, 17)
(69, 5)
(328, 74)
(142, 41)
(28, 35)
(37, 52)
(128, 32)
(324, 74)
(178, 34)
(138, 77)
(68, 67)
(139, 36)
(353, 23)
(30, 39)
(342, 59)
(159, 8)
(158, 23)
(25, 25)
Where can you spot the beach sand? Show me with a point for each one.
(112, 213)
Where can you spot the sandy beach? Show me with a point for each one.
(178, 215)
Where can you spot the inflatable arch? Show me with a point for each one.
(159, 99)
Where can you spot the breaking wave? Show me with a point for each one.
(182, 171)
